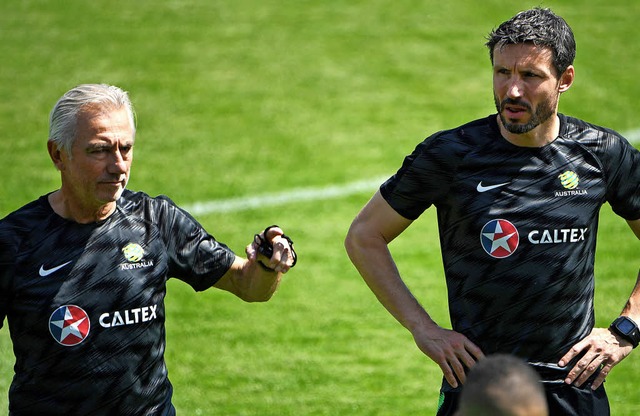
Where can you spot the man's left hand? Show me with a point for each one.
(280, 257)
(602, 349)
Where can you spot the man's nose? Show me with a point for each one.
(514, 88)
(119, 164)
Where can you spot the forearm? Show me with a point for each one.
(632, 307)
(371, 257)
(367, 245)
(249, 281)
(452, 351)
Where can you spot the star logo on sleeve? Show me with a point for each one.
(499, 238)
(69, 325)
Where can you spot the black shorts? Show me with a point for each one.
(562, 399)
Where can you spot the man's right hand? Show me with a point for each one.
(451, 350)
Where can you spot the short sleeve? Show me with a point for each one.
(195, 256)
(423, 179)
(622, 164)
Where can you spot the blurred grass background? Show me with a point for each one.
(256, 97)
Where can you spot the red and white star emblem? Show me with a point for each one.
(69, 325)
(499, 238)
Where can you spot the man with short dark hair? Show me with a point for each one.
(517, 196)
(502, 385)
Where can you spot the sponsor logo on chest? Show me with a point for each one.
(134, 254)
(569, 181)
(128, 316)
(565, 235)
(500, 238)
(69, 325)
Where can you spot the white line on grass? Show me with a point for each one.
(306, 194)
(633, 136)
(280, 198)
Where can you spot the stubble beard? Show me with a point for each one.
(543, 112)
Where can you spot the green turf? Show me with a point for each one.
(249, 97)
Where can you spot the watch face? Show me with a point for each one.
(625, 326)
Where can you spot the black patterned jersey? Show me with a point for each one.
(85, 304)
(517, 228)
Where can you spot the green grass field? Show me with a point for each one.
(257, 97)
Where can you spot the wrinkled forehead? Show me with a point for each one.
(104, 123)
(106, 109)
(522, 54)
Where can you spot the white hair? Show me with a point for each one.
(64, 115)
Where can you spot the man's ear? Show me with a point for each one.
(55, 153)
(566, 79)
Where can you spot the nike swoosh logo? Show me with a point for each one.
(46, 272)
(481, 188)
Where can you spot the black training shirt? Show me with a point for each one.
(517, 228)
(85, 304)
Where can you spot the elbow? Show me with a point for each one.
(349, 242)
(257, 298)
(352, 241)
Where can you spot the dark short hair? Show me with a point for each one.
(540, 27)
(499, 383)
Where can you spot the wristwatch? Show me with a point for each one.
(627, 329)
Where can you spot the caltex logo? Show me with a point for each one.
(499, 238)
(69, 325)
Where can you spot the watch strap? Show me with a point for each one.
(632, 335)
